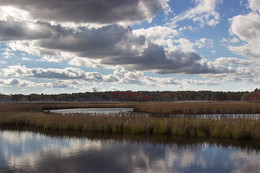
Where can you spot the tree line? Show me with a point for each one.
(139, 96)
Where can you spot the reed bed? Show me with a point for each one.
(192, 108)
(136, 123)
(162, 121)
(40, 106)
(187, 108)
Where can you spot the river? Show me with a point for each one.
(27, 151)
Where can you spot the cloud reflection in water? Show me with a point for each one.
(29, 152)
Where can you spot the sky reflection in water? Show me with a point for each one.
(36, 152)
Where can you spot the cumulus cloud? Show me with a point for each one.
(90, 11)
(156, 49)
(247, 29)
(73, 77)
(47, 39)
(20, 30)
(17, 82)
(254, 5)
(20, 83)
(51, 73)
(232, 61)
(204, 13)
(115, 45)
(155, 58)
(204, 42)
(240, 74)
(112, 40)
(159, 35)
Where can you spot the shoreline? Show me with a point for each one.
(31, 115)
(137, 124)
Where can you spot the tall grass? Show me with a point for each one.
(40, 106)
(137, 124)
(149, 107)
(199, 108)
(30, 115)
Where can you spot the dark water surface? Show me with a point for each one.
(25, 151)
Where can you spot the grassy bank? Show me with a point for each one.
(30, 115)
(137, 124)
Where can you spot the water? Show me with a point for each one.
(127, 111)
(218, 116)
(92, 111)
(26, 151)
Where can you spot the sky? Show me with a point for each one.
(66, 46)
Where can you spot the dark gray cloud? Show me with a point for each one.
(21, 30)
(95, 42)
(90, 11)
(155, 58)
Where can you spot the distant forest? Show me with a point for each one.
(139, 96)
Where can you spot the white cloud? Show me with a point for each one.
(204, 13)
(254, 5)
(232, 61)
(231, 40)
(247, 29)
(50, 73)
(19, 83)
(240, 74)
(185, 45)
(7, 12)
(159, 35)
(73, 77)
(26, 59)
(199, 82)
(204, 43)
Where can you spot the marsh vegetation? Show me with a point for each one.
(31, 115)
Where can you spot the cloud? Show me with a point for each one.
(199, 82)
(7, 53)
(240, 74)
(247, 29)
(204, 42)
(232, 40)
(155, 58)
(91, 11)
(254, 5)
(21, 30)
(115, 45)
(159, 35)
(184, 44)
(204, 13)
(232, 61)
(73, 77)
(20, 83)
(51, 73)
(111, 40)
(47, 39)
